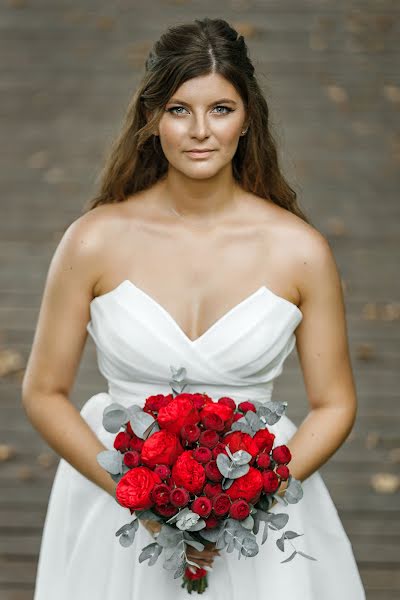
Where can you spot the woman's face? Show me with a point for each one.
(204, 113)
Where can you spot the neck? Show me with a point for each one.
(201, 199)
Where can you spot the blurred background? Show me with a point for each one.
(330, 72)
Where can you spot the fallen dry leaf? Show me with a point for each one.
(385, 483)
(390, 311)
(365, 351)
(372, 440)
(46, 460)
(394, 455)
(369, 311)
(25, 473)
(6, 452)
(336, 226)
(10, 361)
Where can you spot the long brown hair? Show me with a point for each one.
(136, 160)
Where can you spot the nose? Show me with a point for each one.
(199, 127)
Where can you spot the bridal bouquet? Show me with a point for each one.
(206, 470)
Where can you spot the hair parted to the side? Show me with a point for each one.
(136, 160)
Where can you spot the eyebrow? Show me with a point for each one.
(176, 101)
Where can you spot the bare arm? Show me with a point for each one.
(57, 347)
(322, 346)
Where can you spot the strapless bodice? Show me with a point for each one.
(240, 355)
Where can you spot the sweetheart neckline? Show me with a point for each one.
(262, 288)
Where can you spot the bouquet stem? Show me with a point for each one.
(195, 582)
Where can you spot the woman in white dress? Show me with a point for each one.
(194, 253)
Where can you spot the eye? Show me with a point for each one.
(174, 108)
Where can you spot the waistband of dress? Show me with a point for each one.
(127, 393)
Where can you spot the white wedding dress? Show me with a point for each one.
(239, 356)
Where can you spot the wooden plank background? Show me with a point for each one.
(330, 73)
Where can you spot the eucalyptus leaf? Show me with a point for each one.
(140, 423)
(127, 539)
(114, 417)
(254, 421)
(110, 460)
(306, 555)
(211, 535)
(241, 426)
(249, 547)
(241, 457)
(265, 533)
(279, 520)
(291, 557)
(294, 491)
(248, 522)
(290, 535)
(281, 543)
(149, 551)
(226, 483)
(125, 528)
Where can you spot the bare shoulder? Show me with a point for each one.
(301, 251)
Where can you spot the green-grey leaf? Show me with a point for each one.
(114, 417)
(281, 543)
(254, 421)
(241, 457)
(149, 551)
(306, 555)
(140, 422)
(248, 522)
(290, 535)
(265, 533)
(291, 557)
(249, 547)
(110, 460)
(279, 520)
(294, 491)
(125, 528)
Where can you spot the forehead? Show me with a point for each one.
(206, 88)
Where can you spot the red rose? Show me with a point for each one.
(245, 406)
(121, 441)
(136, 443)
(212, 489)
(188, 473)
(154, 403)
(264, 439)
(239, 510)
(134, 488)
(238, 440)
(166, 510)
(202, 454)
(263, 460)
(237, 416)
(202, 506)
(270, 481)
(221, 504)
(212, 471)
(283, 472)
(247, 487)
(218, 449)
(162, 471)
(179, 497)
(211, 521)
(227, 402)
(161, 494)
(223, 411)
(162, 447)
(190, 433)
(199, 400)
(132, 458)
(281, 455)
(209, 438)
(198, 574)
(179, 412)
(213, 421)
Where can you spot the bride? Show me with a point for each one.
(194, 224)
